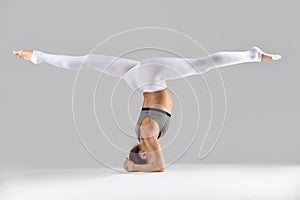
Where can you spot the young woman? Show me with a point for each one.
(149, 76)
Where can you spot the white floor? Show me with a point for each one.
(188, 181)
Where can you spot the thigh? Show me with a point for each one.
(114, 66)
(171, 67)
(146, 78)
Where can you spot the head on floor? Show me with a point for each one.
(138, 154)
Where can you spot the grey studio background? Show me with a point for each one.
(37, 127)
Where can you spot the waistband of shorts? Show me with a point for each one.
(158, 110)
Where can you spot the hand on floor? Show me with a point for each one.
(128, 165)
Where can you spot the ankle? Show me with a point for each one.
(256, 54)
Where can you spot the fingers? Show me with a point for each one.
(126, 164)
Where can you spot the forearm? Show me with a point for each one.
(147, 168)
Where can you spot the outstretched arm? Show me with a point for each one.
(110, 65)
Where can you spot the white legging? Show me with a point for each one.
(151, 74)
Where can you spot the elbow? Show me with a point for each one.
(159, 169)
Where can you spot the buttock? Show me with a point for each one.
(161, 117)
(146, 78)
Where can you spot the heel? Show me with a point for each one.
(256, 54)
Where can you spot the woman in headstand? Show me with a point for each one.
(149, 76)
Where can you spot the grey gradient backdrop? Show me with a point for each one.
(37, 128)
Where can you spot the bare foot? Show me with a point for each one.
(267, 57)
(24, 54)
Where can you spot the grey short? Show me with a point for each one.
(162, 118)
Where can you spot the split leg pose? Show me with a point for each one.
(149, 76)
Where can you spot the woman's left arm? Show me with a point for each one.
(155, 158)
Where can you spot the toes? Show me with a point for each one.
(16, 52)
(19, 53)
(276, 57)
